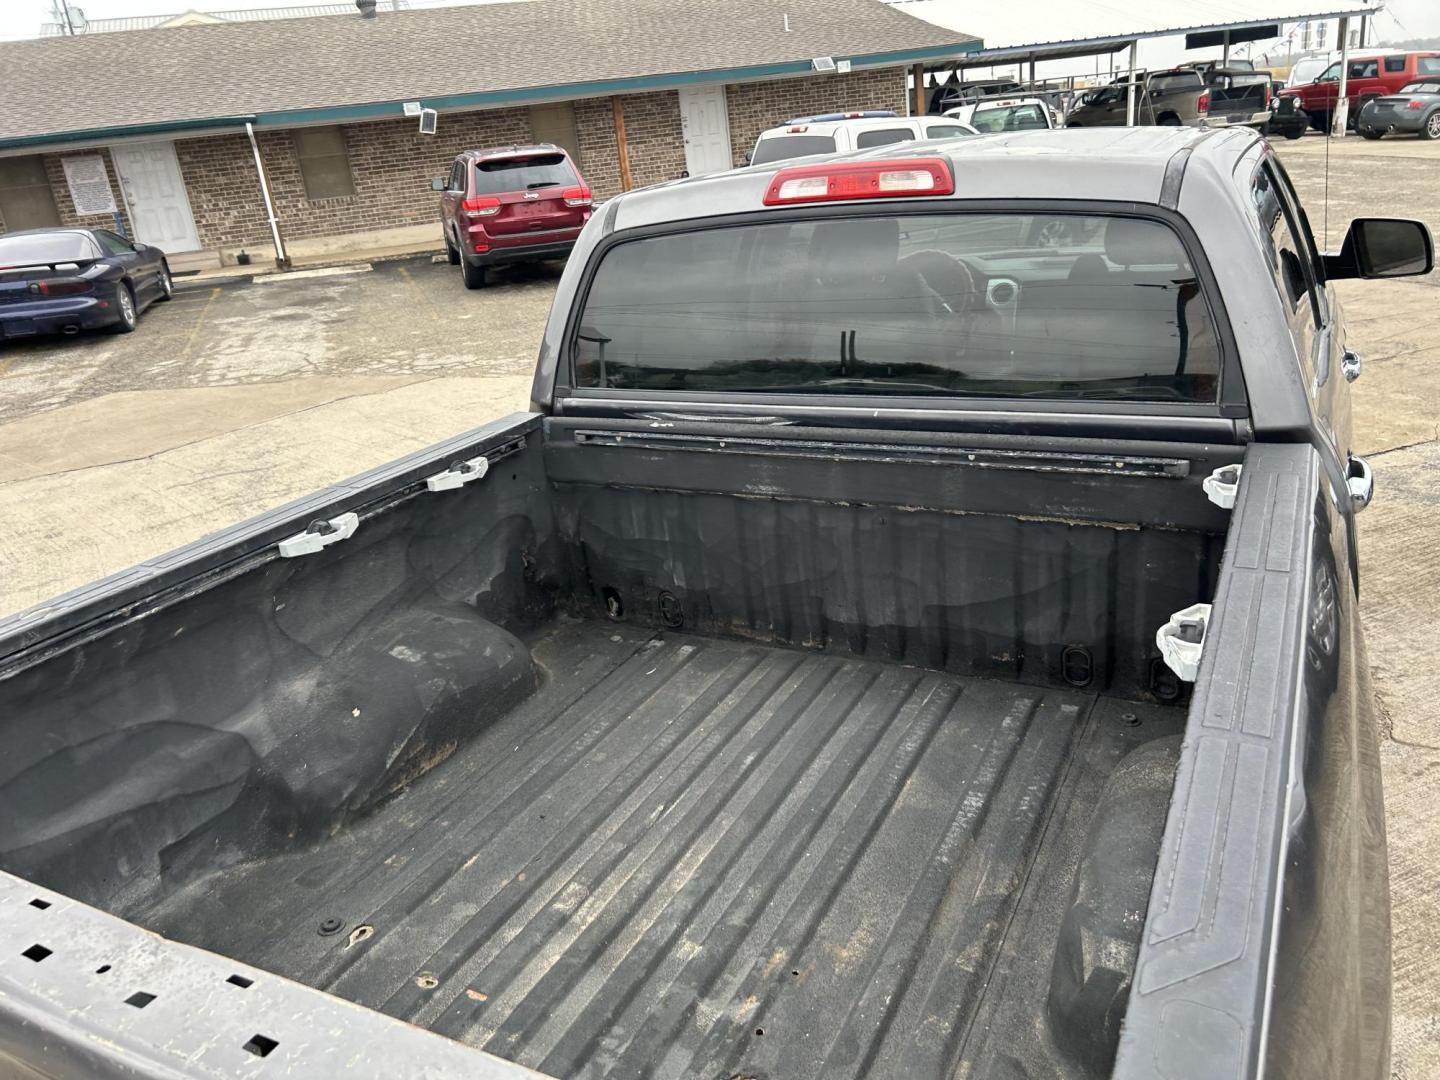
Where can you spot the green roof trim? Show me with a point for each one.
(157, 128)
(379, 109)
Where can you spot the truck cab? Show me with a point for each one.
(1174, 98)
(838, 133)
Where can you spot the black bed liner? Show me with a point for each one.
(701, 857)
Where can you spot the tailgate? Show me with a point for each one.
(537, 193)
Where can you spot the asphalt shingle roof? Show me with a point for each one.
(174, 74)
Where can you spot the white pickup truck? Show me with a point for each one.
(990, 115)
(833, 133)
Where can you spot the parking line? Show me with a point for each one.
(200, 321)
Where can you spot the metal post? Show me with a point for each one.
(1225, 49)
(1032, 74)
(1130, 85)
(1341, 113)
(281, 259)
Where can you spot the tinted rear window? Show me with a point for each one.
(1180, 80)
(1009, 118)
(520, 174)
(1428, 65)
(945, 131)
(783, 147)
(882, 137)
(45, 248)
(1421, 88)
(1013, 305)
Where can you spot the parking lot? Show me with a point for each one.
(236, 397)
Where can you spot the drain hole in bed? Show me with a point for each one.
(41, 904)
(359, 934)
(36, 953)
(759, 1031)
(240, 981)
(261, 1045)
(139, 999)
(102, 969)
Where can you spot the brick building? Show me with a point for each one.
(174, 119)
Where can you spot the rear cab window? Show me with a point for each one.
(1009, 118)
(783, 147)
(1176, 80)
(944, 131)
(949, 304)
(499, 175)
(883, 136)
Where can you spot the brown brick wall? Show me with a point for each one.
(754, 107)
(392, 163)
(55, 171)
(599, 158)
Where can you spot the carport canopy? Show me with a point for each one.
(1009, 30)
(1012, 32)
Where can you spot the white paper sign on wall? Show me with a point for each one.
(89, 184)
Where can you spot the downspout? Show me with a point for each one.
(281, 259)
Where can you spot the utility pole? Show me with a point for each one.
(61, 10)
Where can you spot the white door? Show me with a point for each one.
(706, 128)
(155, 194)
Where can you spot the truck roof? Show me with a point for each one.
(1100, 163)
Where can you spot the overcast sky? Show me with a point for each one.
(23, 18)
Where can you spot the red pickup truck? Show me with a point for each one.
(1368, 76)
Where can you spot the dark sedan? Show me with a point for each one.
(67, 280)
(1415, 110)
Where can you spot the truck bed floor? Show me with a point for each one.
(695, 857)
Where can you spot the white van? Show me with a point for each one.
(806, 136)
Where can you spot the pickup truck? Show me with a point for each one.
(886, 649)
(1238, 97)
(1174, 98)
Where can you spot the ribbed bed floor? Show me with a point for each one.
(693, 857)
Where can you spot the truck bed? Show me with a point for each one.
(714, 858)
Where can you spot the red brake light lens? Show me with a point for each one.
(860, 180)
(1414, 105)
(577, 196)
(60, 286)
(1204, 103)
(482, 206)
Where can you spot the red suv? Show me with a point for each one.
(1368, 77)
(511, 204)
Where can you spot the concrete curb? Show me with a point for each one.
(231, 275)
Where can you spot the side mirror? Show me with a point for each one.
(437, 185)
(1383, 248)
(137, 246)
(748, 155)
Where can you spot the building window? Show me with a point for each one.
(26, 201)
(324, 162)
